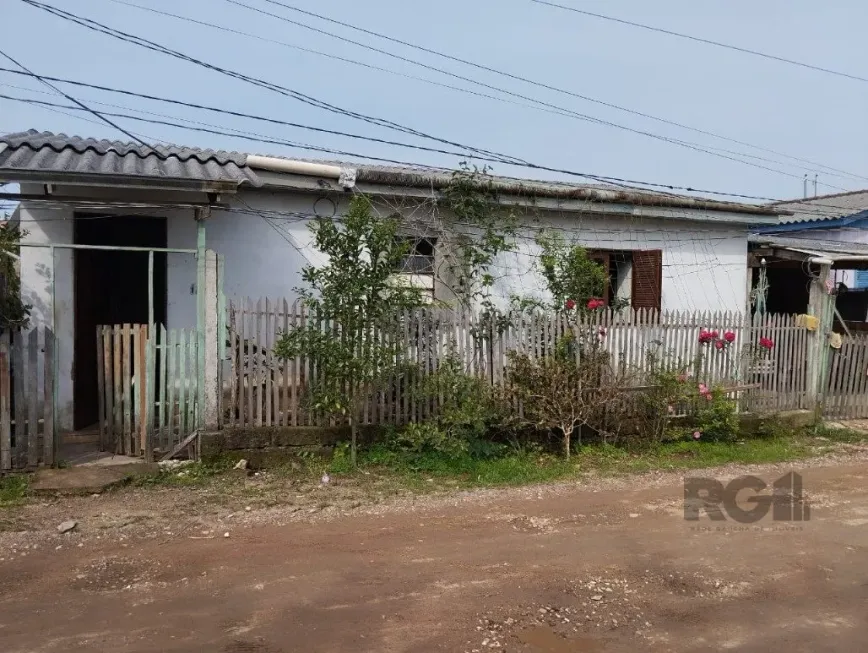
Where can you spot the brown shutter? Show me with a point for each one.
(647, 278)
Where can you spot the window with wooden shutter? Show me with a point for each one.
(647, 278)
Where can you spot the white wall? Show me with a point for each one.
(704, 266)
(51, 225)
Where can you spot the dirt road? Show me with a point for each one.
(607, 567)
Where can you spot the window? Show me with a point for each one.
(635, 277)
(417, 268)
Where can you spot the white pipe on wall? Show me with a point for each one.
(294, 167)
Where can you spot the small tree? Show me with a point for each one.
(14, 313)
(357, 292)
(574, 387)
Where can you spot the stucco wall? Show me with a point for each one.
(265, 242)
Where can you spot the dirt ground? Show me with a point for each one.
(602, 566)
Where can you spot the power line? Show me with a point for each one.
(698, 39)
(274, 141)
(495, 156)
(533, 82)
(237, 133)
(150, 45)
(72, 99)
(814, 207)
(230, 112)
(499, 159)
(558, 109)
(277, 88)
(335, 57)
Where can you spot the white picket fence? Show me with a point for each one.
(265, 391)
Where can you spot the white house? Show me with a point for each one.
(663, 250)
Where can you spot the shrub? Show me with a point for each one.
(717, 420)
(468, 410)
(575, 387)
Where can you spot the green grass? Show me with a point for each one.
(837, 434)
(13, 489)
(384, 469)
(523, 468)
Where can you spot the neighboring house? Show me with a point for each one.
(663, 251)
(837, 218)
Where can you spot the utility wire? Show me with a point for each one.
(241, 115)
(80, 105)
(335, 57)
(274, 141)
(813, 208)
(498, 158)
(230, 112)
(813, 164)
(698, 39)
(571, 113)
(150, 45)
(282, 90)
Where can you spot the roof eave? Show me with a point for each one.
(571, 199)
(119, 181)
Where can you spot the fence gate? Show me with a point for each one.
(149, 388)
(28, 437)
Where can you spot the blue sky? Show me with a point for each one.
(791, 110)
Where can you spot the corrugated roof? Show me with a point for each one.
(40, 152)
(830, 248)
(440, 178)
(824, 207)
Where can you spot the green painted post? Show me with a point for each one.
(200, 304)
(183, 426)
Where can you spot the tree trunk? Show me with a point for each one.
(567, 434)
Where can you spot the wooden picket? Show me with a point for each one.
(263, 390)
(148, 388)
(846, 390)
(28, 437)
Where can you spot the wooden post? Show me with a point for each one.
(5, 405)
(818, 306)
(100, 382)
(211, 359)
(18, 379)
(33, 398)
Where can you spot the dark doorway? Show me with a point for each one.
(111, 287)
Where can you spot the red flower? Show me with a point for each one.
(705, 337)
(714, 335)
(571, 304)
(594, 304)
(766, 343)
(729, 336)
(720, 344)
